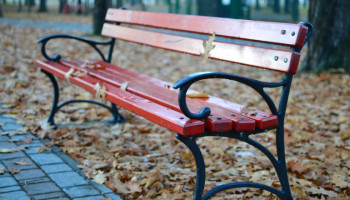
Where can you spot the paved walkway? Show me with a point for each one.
(50, 175)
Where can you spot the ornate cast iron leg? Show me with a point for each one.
(54, 107)
(200, 181)
(117, 118)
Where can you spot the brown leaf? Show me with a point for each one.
(22, 163)
(42, 149)
(2, 171)
(297, 167)
(249, 111)
(13, 171)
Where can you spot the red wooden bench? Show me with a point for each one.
(156, 101)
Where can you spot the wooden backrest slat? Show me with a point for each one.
(272, 59)
(271, 32)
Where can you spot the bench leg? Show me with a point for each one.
(279, 165)
(200, 165)
(116, 118)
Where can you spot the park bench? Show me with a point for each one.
(163, 104)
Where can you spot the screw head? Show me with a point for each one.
(233, 115)
(293, 33)
(286, 60)
(283, 32)
(276, 58)
(218, 118)
(181, 118)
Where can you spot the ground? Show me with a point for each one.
(140, 160)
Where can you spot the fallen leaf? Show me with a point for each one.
(339, 181)
(22, 163)
(14, 149)
(124, 85)
(16, 132)
(197, 95)
(42, 149)
(208, 46)
(100, 177)
(68, 74)
(2, 171)
(13, 171)
(249, 111)
(79, 73)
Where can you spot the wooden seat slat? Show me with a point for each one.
(273, 59)
(271, 32)
(154, 112)
(161, 92)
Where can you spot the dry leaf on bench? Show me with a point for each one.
(67, 75)
(197, 95)
(208, 46)
(13, 171)
(124, 85)
(249, 111)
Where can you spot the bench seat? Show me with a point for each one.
(144, 92)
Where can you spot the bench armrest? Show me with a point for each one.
(92, 43)
(185, 83)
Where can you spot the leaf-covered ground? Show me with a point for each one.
(140, 160)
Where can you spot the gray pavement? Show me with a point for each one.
(48, 175)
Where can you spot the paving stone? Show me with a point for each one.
(10, 163)
(14, 195)
(4, 138)
(5, 144)
(81, 191)
(34, 180)
(29, 174)
(41, 188)
(68, 160)
(68, 179)
(11, 127)
(46, 158)
(18, 154)
(56, 168)
(7, 120)
(7, 181)
(113, 196)
(22, 137)
(52, 195)
(90, 198)
(101, 187)
(10, 189)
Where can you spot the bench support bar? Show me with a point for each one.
(116, 117)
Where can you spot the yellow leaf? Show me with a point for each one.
(100, 177)
(208, 46)
(124, 85)
(197, 95)
(68, 74)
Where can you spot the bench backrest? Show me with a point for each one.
(286, 61)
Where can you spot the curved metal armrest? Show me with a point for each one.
(185, 83)
(57, 57)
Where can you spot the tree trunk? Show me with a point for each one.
(80, 8)
(100, 10)
(119, 3)
(30, 4)
(206, 7)
(295, 9)
(60, 8)
(1, 15)
(276, 6)
(143, 6)
(42, 6)
(329, 47)
(19, 6)
(257, 5)
(286, 6)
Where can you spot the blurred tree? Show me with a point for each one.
(177, 6)
(100, 10)
(1, 15)
(170, 6)
(329, 47)
(286, 6)
(257, 5)
(87, 7)
(119, 3)
(79, 8)
(189, 7)
(19, 6)
(236, 9)
(295, 10)
(143, 6)
(42, 6)
(276, 6)
(206, 7)
(29, 4)
(60, 8)
(4, 2)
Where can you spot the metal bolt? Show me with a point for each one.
(218, 118)
(190, 121)
(233, 115)
(210, 115)
(286, 60)
(293, 33)
(181, 118)
(264, 116)
(283, 32)
(276, 58)
(242, 118)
